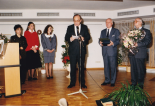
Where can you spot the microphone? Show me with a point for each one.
(77, 30)
(79, 34)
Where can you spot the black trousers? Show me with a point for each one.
(73, 61)
(138, 70)
(23, 70)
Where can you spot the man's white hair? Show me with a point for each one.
(109, 19)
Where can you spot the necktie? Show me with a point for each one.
(78, 31)
(108, 33)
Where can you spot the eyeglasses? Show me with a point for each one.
(137, 21)
(76, 20)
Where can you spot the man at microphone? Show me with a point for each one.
(74, 33)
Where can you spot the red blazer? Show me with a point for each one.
(32, 40)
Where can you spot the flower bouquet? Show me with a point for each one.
(134, 36)
(65, 56)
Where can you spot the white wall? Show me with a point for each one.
(94, 59)
(95, 24)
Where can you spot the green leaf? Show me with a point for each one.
(130, 96)
(63, 46)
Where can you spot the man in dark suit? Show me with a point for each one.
(137, 61)
(109, 52)
(74, 31)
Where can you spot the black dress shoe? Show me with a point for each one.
(51, 77)
(34, 78)
(0, 95)
(23, 83)
(48, 77)
(70, 86)
(104, 83)
(83, 86)
(112, 85)
(30, 79)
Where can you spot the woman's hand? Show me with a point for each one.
(34, 49)
(21, 48)
(50, 51)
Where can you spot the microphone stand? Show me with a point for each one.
(80, 90)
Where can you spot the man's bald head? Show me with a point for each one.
(109, 23)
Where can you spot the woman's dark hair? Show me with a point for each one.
(46, 29)
(17, 26)
(29, 25)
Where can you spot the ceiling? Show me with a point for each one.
(74, 4)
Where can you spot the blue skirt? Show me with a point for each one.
(48, 59)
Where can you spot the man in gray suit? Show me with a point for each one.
(109, 52)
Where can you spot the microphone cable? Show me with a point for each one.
(96, 82)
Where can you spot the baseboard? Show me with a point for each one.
(94, 68)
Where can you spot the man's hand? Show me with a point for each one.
(101, 43)
(136, 44)
(72, 39)
(111, 43)
(82, 38)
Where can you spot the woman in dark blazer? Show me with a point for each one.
(22, 46)
(48, 40)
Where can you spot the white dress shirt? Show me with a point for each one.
(109, 33)
(140, 28)
(109, 30)
(75, 29)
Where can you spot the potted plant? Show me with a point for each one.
(119, 58)
(65, 58)
(4, 38)
(129, 95)
(43, 71)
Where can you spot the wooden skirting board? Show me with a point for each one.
(102, 68)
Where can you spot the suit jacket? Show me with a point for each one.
(114, 37)
(22, 43)
(74, 45)
(142, 45)
(47, 44)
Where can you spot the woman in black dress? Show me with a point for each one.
(22, 46)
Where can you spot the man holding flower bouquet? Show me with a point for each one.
(137, 59)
